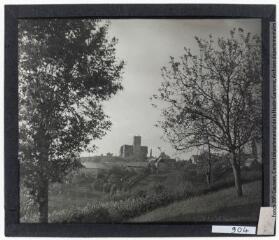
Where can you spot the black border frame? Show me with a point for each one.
(13, 12)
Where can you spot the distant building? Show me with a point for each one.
(163, 163)
(194, 159)
(135, 151)
(150, 153)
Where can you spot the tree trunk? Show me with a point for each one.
(237, 174)
(208, 175)
(43, 181)
(209, 171)
(254, 149)
(43, 201)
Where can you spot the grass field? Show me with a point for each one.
(121, 194)
(221, 206)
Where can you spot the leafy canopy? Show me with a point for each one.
(213, 96)
(67, 68)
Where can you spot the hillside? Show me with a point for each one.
(222, 206)
(120, 193)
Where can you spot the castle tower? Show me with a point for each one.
(137, 146)
(137, 140)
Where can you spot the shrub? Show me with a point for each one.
(95, 213)
(123, 206)
(228, 181)
(28, 208)
(98, 184)
(81, 176)
(159, 189)
(123, 209)
(92, 214)
(141, 193)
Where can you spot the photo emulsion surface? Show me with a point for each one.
(140, 120)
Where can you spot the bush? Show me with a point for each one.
(93, 214)
(228, 181)
(159, 189)
(80, 177)
(141, 193)
(28, 208)
(121, 207)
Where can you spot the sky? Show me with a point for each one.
(146, 46)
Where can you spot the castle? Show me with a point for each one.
(135, 151)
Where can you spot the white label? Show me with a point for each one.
(266, 221)
(234, 229)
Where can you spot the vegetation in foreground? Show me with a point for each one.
(220, 206)
(119, 194)
(214, 100)
(64, 90)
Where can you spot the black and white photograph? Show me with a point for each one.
(140, 120)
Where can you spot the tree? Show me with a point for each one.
(204, 165)
(67, 68)
(214, 97)
(206, 156)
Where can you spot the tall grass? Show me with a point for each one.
(125, 208)
(117, 194)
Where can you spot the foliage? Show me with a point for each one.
(71, 200)
(118, 178)
(214, 97)
(123, 210)
(221, 87)
(219, 206)
(67, 68)
(91, 213)
(28, 207)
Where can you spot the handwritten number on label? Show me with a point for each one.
(239, 230)
(234, 229)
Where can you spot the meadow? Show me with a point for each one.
(122, 194)
(220, 206)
